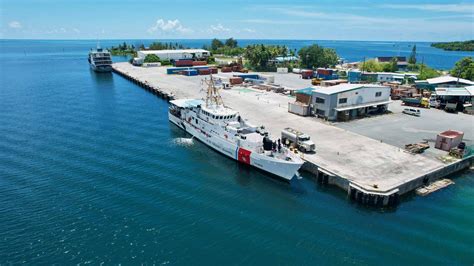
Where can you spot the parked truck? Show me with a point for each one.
(417, 102)
(299, 140)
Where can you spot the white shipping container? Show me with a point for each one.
(299, 109)
(267, 78)
(282, 70)
(297, 70)
(156, 64)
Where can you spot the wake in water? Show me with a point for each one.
(184, 141)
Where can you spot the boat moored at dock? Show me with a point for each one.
(100, 60)
(224, 130)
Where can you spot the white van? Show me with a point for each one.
(411, 111)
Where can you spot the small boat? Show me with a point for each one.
(224, 130)
(100, 60)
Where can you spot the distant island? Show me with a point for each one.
(455, 46)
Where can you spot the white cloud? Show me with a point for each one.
(169, 26)
(15, 25)
(456, 8)
(249, 30)
(218, 29)
(76, 30)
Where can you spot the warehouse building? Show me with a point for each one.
(402, 63)
(443, 82)
(348, 101)
(174, 55)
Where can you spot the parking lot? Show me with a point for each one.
(399, 129)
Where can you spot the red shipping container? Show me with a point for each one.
(204, 71)
(226, 69)
(235, 80)
(199, 63)
(307, 74)
(213, 70)
(183, 63)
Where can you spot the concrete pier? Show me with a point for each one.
(371, 171)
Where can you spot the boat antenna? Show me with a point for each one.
(213, 96)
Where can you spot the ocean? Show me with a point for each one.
(91, 171)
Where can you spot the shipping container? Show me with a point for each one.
(204, 71)
(190, 72)
(448, 139)
(254, 81)
(299, 109)
(246, 75)
(267, 78)
(235, 80)
(213, 70)
(282, 70)
(175, 70)
(296, 70)
(199, 63)
(226, 69)
(307, 74)
(183, 63)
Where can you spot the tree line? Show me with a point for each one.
(455, 46)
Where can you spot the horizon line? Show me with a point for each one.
(267, 39)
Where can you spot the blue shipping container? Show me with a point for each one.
(191, 72)
(247, 76)
(354, 76)
(175, 70)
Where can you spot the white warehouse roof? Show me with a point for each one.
(190, 51)
(344, 87)
(466, 91)
(447, 79)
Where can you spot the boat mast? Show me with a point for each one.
(213, 96)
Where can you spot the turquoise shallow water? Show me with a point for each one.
(91, 171)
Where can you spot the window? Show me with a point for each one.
(378, 94)
(343, 100)
(319, 100)
(320, 112)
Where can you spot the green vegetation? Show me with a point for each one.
(151, 58)
(165, 46)
(425, 71)
(412, 58)
(123, 49)
(229, 47)
(317, 56)
(259, 56)
(373, 66)
(455, 46)
(464, 68)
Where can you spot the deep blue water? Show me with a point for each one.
(90, 171)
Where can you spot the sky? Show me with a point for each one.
(383, 20)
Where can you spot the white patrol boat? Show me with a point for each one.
(224, 130)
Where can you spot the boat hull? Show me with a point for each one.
(101, 69)
(285, 170)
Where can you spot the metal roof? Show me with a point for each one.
(447, 79)
(461, 91)
(307, 91)
(173, 51)
(343, 88)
